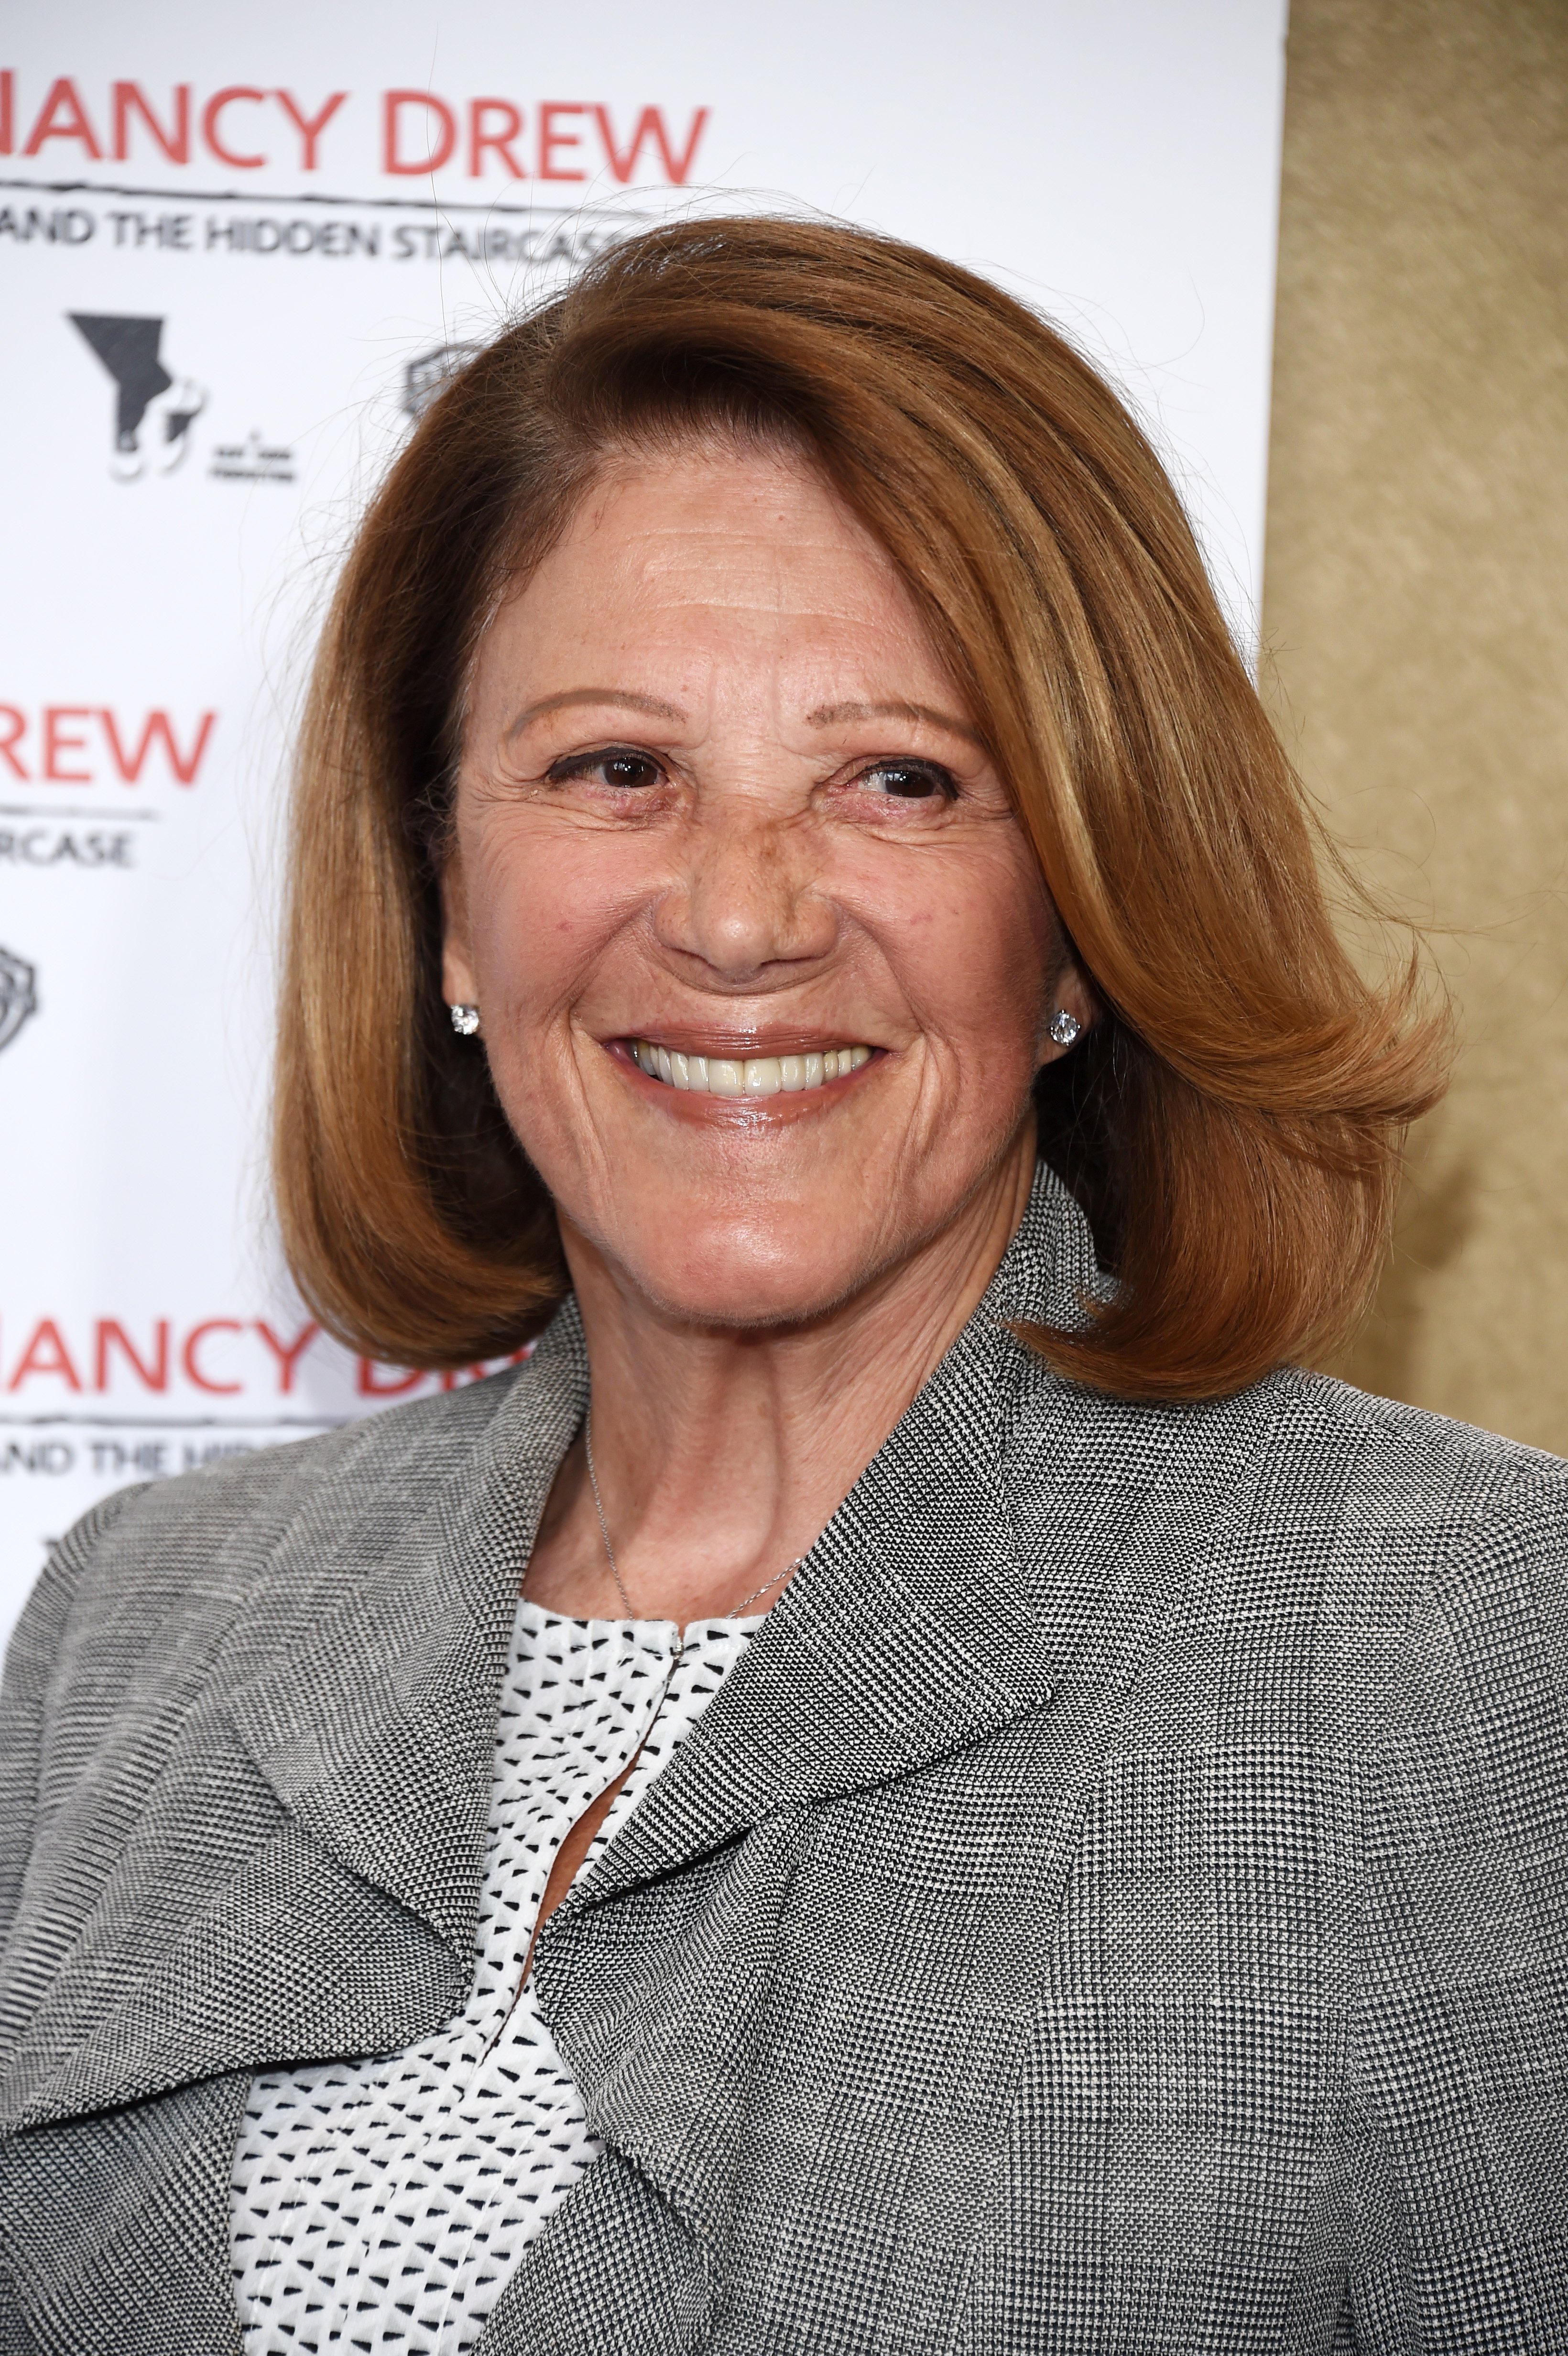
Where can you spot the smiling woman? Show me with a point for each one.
(911, 1779)
(963, 543)
(762, 839)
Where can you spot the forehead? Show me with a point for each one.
(710, 540)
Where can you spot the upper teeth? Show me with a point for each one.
(748, 1076)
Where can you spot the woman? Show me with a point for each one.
(908, 1780)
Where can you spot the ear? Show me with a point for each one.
(1071, 993)
(459, 986)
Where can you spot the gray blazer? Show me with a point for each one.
(1119, 1904)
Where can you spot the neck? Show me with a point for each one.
(721, 1452)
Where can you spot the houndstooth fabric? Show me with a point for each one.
(1118, 1904)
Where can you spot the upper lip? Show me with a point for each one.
(765, 1039)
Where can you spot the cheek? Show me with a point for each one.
(538, 912)
(975, 952)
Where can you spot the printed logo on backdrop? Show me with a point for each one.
(126, 760)
(430, 374)
(153, 410)
(18, 995)
(254, 460)
(408, 133)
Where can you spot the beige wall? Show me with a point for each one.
(1415, 621)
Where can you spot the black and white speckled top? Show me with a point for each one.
(381, 2203)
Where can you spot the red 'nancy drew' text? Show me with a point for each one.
(86, 743)
(248, 127)
(52, 1361)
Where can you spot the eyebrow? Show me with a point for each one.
(831, 715)
(827, 715)
(621, 696)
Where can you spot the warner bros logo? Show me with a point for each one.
(19, 997)
(153, 410)
(428, 375)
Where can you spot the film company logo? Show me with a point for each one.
(18, 995)
(254, 460)
(429, 374)
(153, 410)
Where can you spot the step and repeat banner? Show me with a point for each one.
(235, 258)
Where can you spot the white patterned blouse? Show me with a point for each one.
(381, 2204)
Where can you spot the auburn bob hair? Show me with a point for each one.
(1234, 1120)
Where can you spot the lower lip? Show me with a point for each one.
(696, 1104)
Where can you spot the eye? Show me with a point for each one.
(911, 781)
(621, 768)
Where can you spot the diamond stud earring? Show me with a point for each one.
(1064, 1027)
(464, 1021)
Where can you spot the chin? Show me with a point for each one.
(740, 1273)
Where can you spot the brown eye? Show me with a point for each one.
(911, 781)
(626, 772)
(628, 769)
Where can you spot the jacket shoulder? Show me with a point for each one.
(152, 1564)
(1409, 1464)
(397, 1445)
(1392, 1518)
(1302, 1496)
(1301, 1439)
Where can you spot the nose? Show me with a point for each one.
(748, 903)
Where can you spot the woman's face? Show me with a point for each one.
(717, 796)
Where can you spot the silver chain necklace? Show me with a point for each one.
(757, 1592)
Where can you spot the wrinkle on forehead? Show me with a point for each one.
(765, 501)
(707, 556)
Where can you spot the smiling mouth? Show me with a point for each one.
(747, 1076)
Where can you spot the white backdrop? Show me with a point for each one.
(229, 275)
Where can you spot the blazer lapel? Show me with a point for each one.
(117, 2229)
(376, 1732)
(348, 1781)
